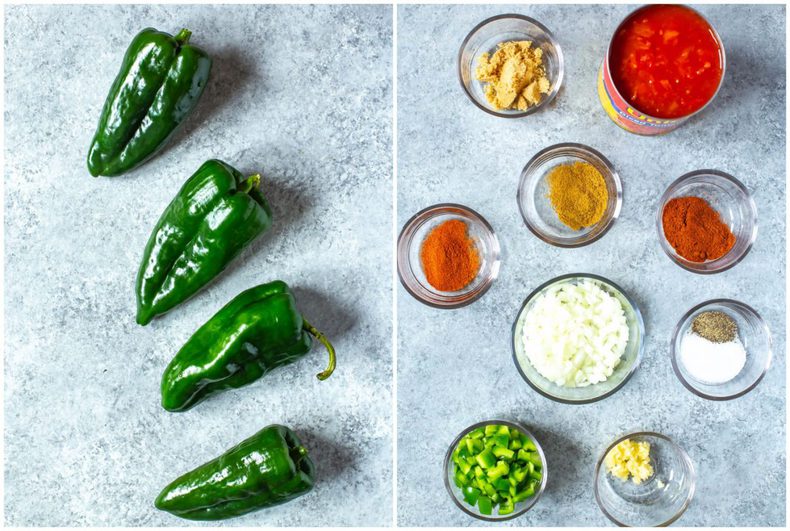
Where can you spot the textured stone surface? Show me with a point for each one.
(455, 367)
(302, 94)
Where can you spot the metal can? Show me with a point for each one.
(626, 115)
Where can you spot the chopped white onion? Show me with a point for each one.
(575, 334)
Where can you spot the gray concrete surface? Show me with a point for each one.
(455, 367)
(301, 94)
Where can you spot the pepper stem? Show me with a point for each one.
(182, 37)
(329, 348)
(253, 181)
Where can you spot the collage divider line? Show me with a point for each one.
(394, 250)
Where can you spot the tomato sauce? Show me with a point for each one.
(666, 61)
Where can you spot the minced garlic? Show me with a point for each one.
(515, 76)
(630, 458)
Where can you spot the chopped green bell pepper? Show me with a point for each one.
(484, 505)
(503, 453)
(474, 446)
(486, 458)
(488, 488)
(523, 495)
(534, 458)
(501, 484)
(520, 475)
(476, 434)
(471, 494)
(501, 440)
(461, 480)
(506, 507)
(528, 444)
(499, 469)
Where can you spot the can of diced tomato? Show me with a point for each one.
(664, 64)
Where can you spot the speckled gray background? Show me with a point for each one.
(455, 367)
(302, 94)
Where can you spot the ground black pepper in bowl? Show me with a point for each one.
(717, 327)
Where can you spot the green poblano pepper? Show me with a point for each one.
(258, 330)
(214, 216)
(159, 83)
(269, 468)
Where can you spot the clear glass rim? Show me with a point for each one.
(674, 354)
(675, 446)
(560, 67)
(404, 244)
(665, 245)
(448, 459)
(721, 51)
(571, 148)
(639, 321)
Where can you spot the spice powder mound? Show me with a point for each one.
(695, 230)
(578, 194)
(449, 256)
(717, 327)
(515, 75)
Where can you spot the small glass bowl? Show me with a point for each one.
(486, 36)
(629, 361)
(657, 501)
(756, 339)
(730, 198)
(472, 510)
(410, 269)
(536, 208)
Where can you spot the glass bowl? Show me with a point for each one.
(629, 361)
(657, 501)
(756, 339)
(472, 510)
(730, 199)
(486, 36)
(536, 208)
(410, 269)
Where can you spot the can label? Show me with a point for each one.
(626, 116)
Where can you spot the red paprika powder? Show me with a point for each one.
(695, 230)
(449, 256)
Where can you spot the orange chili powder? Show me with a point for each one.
(449, 256)
(695, 229)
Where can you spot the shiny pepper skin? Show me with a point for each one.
(159, 84)
(214, 216)
(269, 468)
(257, 331)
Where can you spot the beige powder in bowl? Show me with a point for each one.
(514, 75)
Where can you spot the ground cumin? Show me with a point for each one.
(449, 256)
(695, 230)
(578, 193)
(515, 75)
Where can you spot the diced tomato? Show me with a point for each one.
(666, 60)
